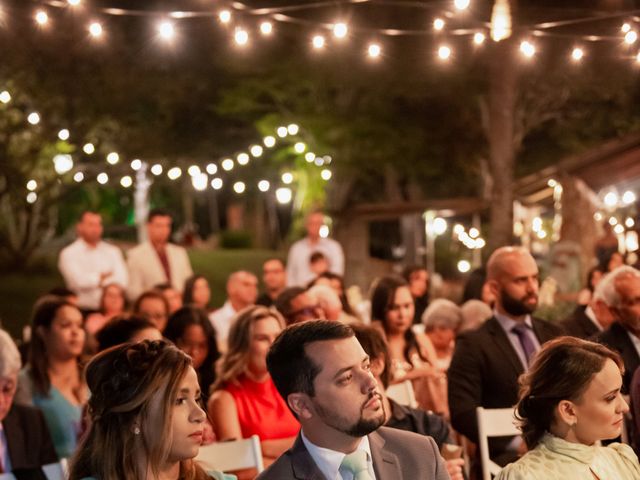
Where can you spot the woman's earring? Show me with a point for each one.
(136, 430)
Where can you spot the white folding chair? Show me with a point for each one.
(493, 422)
(57, 471)
(233, 455)
(403, 393)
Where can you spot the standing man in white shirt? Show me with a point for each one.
(298, 262)
(157, 260)
(88, 264)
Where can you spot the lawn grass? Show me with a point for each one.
(19, 290)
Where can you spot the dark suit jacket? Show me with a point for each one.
(617, 338)
(484, 372)
(579, 325)
(28, 438)
(396, 455)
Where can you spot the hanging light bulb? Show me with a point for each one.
(500, 20)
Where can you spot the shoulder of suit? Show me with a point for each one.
(403, 437)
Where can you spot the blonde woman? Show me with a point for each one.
(245, 400)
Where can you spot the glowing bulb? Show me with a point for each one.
(438, 24)
(283, 195)
(64, 134)
(78, 177)
(628, 197)
(62, 163)
(478, 38)
(156, 169)
(239, 187)
(73, 3)
(102, 178)
(136, 164)
(227, 164)
(269, 141)
(577, 54)
(287, 178)
(32, 185)
(256, 150)
(41, 17)
(166, 30)
(263, 185)
(630, 37)
(95, 29)
(242, 158)
(33, 118)
(318, 42)
(241, 36)
(113, 158)
(309, 156)
(458, 229)
(474, 232)
(552, 183)
(439, 225)
(464, 266)
(611, 199)
(212, 169)
(461, 4)
(325, 174)
(174, 173)
(324, 231)
(299, 147)
(5, 97)
(200, 181)
(444, 52)
(528, 49)
(618, 229)
(293, 129)
(319, 161)
(224, 16)
(340, 30)
(625, 27)
(536, 224)
(266, 28)
(282, 132)
(216, 183)
(374, 50)
(32, 197)
(500, 20)
(193, 170)
(89, 148)
(629, 222)
(126, 181)
(542, 234)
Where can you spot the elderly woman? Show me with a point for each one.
(570, 401)
(330, 303)
(441, 320)
(28, 442)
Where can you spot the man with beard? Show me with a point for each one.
(324, 375)
(487, 361)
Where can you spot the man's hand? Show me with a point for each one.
(454, 468)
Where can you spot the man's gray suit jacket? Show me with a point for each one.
(396, 455)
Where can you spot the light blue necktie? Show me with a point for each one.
(356, 463)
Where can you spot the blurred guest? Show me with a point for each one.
(606, 246)
(69, 295)
(593, 278)
(441, 320)
(318, 263)
(296, 306)
(126, 329)
(274, 278)
(89, 264)
(404, 417)
(418, 279)
(52, 380)
(190, 330)
(242, 292)
(145, 416)
(570, 400)
(327, 299)
(157, 260)
(112, 304)
(153, 306)
(477, 287)
(298, 267)
(173, 296)
(615, 260)
(474, 313)
(197, 292)
(245, 401)
(412, 355)
(25, 442)
(336, 282)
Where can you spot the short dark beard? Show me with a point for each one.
(362, 427)
(515, 307)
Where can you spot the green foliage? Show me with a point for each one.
(236, 239)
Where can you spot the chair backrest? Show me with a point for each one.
(233, 455)
(493, 422)
(51, 471)
(403, 393)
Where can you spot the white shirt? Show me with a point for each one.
(590, 314)
(221, 320)
(4, 451)
(328, 461)
(81, 266)
(299, 267)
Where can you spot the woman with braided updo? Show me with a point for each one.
(570, 400)
(145, 416)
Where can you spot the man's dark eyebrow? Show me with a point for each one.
(346, 369)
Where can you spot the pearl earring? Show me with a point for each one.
(136, 430)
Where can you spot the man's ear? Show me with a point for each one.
(301, 405)
(494, 287)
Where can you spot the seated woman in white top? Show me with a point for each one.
(570, 400)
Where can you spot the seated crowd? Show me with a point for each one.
(127, 384)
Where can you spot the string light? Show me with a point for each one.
(527, 48)
(63, 134)
(166, 30)
(340, 30)
(227, 164)
(269, 141)
(136, 164)
(32, 197)
(325, 174)
(102, 178)
(73, 3)
(78, 177)
(500, 20)
(625, 27)
(5, 97)
(193, 170)
(212, 169)
(95, 29)
(309, 156)
(629, 222)
(113, 158)
(283, 195)
(287, 178)
(266, 28)
(256, 150)
(216, 183)
(243, 159)
(241, 36)
(200, 181)
(33, 118)
(318, 42)
(299, 147)
(438, 24)
(478, 38)
(156, 169)
(444, 52)
(224, 16)
(293, 129)
(630, 37)
(282, 132)
(461, 4)
(628, 197)
(126, 181)
(41, 17)
(611, 199)
(32, 185)
(319, 161)
(577, 54)
(239, 187)
(263, 185)
(89, 148)
(174, 173)
(374, 50)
